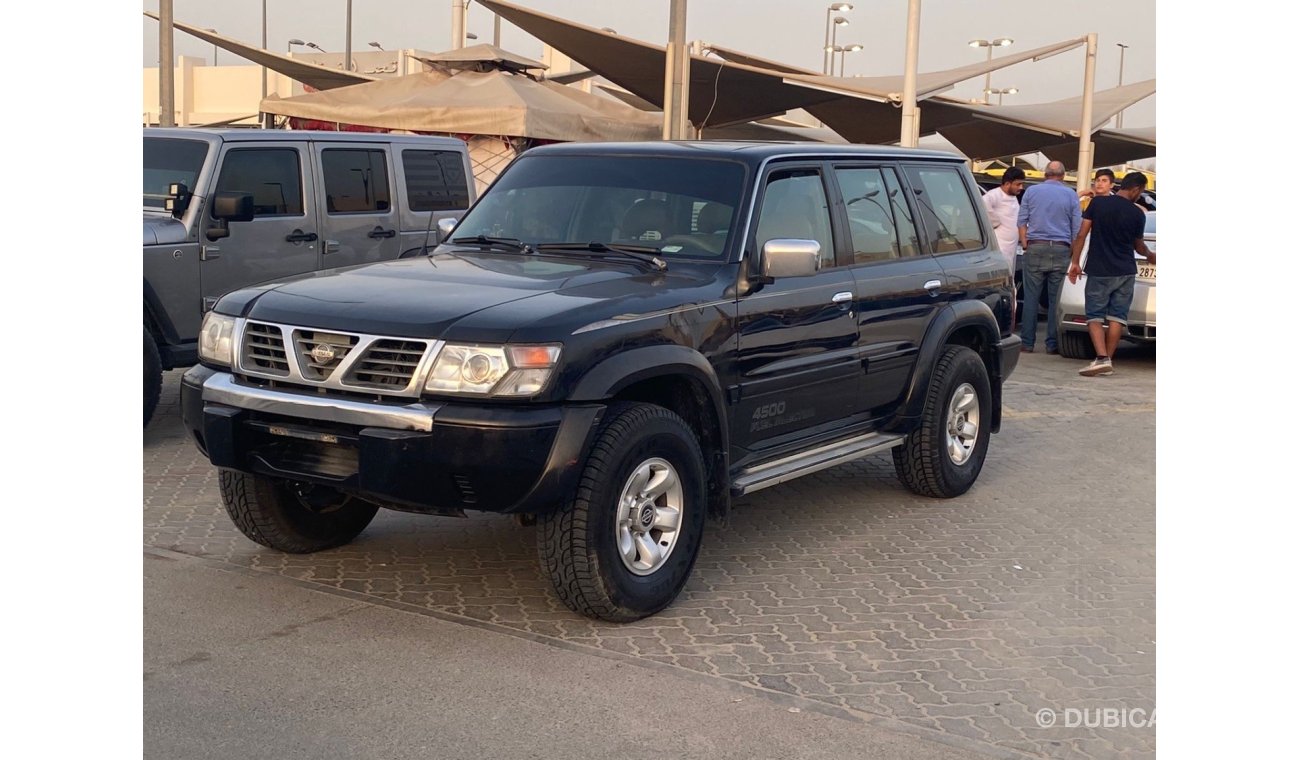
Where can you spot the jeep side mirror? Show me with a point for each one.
(233, 207)
(178, 199)
(445, 226)
(788, 257)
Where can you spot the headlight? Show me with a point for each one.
(492, 370)
(217, 338)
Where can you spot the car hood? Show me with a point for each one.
(424, 297)
(163, 229)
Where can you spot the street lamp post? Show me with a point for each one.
(990, 44)
(375, 45)
(835, 48)
(347, 40)
(1119, 117)
(266, 118)
(828, 58)
(842, 49)
(314, 46)
(1000, 91)
(292, 42)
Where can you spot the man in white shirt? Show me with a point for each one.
(1003, 206)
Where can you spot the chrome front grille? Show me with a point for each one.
(263, 349)
(388, 363)
(344, 362)
(320, 353)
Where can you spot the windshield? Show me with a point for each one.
(678, 207)
(168, 160)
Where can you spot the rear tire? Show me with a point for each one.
(290, 517)
(622, 548)
(943, 457)
(1076, 345)
(152, 376)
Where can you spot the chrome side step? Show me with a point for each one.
(788, 468)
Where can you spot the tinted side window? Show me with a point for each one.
(909, 242)
(356, 181)
(947, 212)
(871, 224)
(435, 180)
(794, 206)
(273, 176)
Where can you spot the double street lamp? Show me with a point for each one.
(841, 49)
(828, 56)
(999, 91)
(990, 44)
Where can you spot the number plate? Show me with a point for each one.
(1146, 271)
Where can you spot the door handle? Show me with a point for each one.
(380, 232)
(298, 236)
(331, 246)
(933, 286)
(210, 252)
(842, 297)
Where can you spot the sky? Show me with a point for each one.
(791, 31)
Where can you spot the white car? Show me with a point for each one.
(1074, 340)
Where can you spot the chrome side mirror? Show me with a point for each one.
(788, 257)
(445, 226)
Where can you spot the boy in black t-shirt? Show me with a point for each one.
(1116, 224)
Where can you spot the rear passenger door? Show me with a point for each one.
(950, 217)
(797, 365)
(897, 283)
(358, 213)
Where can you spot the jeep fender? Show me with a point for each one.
(951, 318)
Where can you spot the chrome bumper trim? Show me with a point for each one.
(222, 388)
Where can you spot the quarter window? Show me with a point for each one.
(273, 176)
(946, 210)
(871, 222)
(435, 180)
(356, 181)
(794, 206)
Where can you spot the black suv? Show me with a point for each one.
(618, 339)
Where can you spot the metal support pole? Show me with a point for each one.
(676, 75)
(911, 123)
(266, 117)
(496, 30)
(166, 66)
(988, 76)
(1119, 117)
(457, 24)
(827, 56)
(347, 41)
(1085, 126)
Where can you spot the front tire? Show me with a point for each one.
(623, 546)
(292, 517)
(943, 457)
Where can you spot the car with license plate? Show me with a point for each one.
(1074, 340)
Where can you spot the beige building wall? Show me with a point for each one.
(213, 94)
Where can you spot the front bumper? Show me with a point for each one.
(420, 456)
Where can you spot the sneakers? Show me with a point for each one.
(1099, 366)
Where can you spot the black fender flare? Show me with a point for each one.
(606, 379)
(156, 319)
(951, 318)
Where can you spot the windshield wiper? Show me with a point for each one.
(643, 254)
(510, 244)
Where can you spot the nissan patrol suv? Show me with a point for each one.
(617, 340)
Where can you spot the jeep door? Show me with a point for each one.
(358, 209)
(897, 283)
(797, 368)
(280, 240)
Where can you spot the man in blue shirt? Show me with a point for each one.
(1049, 221)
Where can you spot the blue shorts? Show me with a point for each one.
(1106, 299)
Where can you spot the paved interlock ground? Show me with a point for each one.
(1034, 591)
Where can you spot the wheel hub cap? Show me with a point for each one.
(963, 423)
(649, 516)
